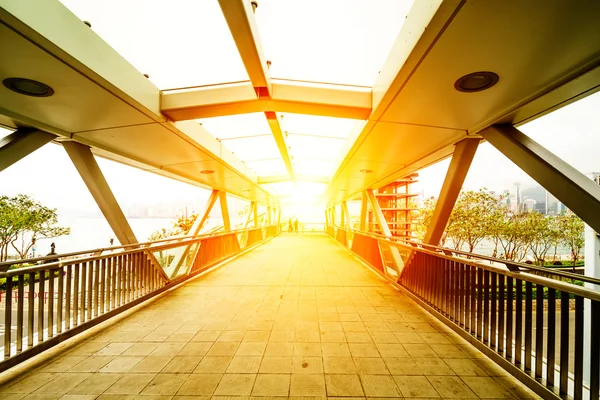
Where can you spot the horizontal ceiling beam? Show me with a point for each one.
(293, 97)
(299, 178)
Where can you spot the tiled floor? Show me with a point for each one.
(297, 317)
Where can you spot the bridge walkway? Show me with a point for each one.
(297, 317)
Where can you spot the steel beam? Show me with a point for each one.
(20, 144)
(385, 229)
(92, 176)
(346, 214)
(462, 157)
(579, 193)
(240, 98)
(280, 140)
(224, 210)
(240, 18)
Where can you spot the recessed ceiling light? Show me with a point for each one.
(207, 171)
(28, 87)
(366, 171)
(477, 81)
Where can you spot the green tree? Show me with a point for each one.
(572, 229)
(542, 231)
(24, 220)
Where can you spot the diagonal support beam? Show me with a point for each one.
(579, 193)
(92, 176)
(175, 266)
(385, 229)
(224, 210)
(455, 177)
(363, 212)
(240, 19)
(20, 144)
(346, 214)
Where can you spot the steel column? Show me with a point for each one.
(385, 229)
(224, 210)
(363, 212)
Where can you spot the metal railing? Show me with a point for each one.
(533, 326)
(83, 291)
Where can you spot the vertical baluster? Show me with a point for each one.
(595, 351)
(479, 302)
(103, 278)
(41, 291)
(528, 323)
(76, 295)
(123, 272)
(564, 342)
(519, 322)
(84, 275)
(461, 294)
(30, 309)
(551, 338)
(501, 302)
(509, 318)
(59, 299)
(51, 277)
(113, 285)
(20, 305)
(96, 287)
(486, 307)
(468, 285)
(7, 317)
(118, 279)
(68, 298)
(578, 367)
(135, 285)
(447, 287)
(539, 329)
(455, 291)
(473, 299)
(90, 289)
(128, 270)
(493, 311)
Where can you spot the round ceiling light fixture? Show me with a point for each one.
(476, 82)
(28, 87)
(366, 171)
(207, 171)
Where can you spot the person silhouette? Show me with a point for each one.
(296, 225)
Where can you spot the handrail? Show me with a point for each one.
(176, 241)
(141, 245)
(411, 245)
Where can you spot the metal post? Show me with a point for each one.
(224, 210)
(363, 212)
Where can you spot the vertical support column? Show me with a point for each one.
(269, 212)
(224, 210)
(385, 229)
(342, 215)
(457, 172)
(346, 215)
(363, 212)
(92, 176)
(255, 214)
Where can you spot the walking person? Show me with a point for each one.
(296, 225)
(290, 226)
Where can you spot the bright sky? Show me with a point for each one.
(347, 43)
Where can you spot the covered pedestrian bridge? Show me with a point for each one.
(356, 308)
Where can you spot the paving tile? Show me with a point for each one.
(307, 336)
(271, 385)
(420, 350)
(516, 388)
(200, 385)
(307, 349)
(307, 385)
(195, 349)
(206, 336)
(63, 364)
(283, 335)
(231, 336)
(165, 384)
(465, 367)
(213, 365)
(95, 384)
(63, 383)
(486, 388)
(307, 365)
(151, 364)
(182, 364)
(130, 384)
(451, 387)
(448, 351)
(391, 350)
(29, 383)
(379, 386)
(121, 364)
(335, 349)
(339, 365)
(275, 349)
(274, 365)
(332, 336)
(415, 386)
(114, 349)
(140, 349)
(92, 364)
(244, 365)
(87, 349)
(433, 366)
(257, 336)
(236, 385)
(167, 349)
(403, 366)
(343, 385)
(370, 366)
(363, 350)
(248, 349)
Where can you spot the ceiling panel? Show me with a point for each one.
(317, 125)
(268, 167)
(232, 126)
(534, 51)
(256, 148)
(303, 147)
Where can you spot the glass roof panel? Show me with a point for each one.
(310, 147)
(268, 167)
(236, 125)
(254, 148)
(179, 43)
(319, 126)
(314, 167)
(332, 41)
